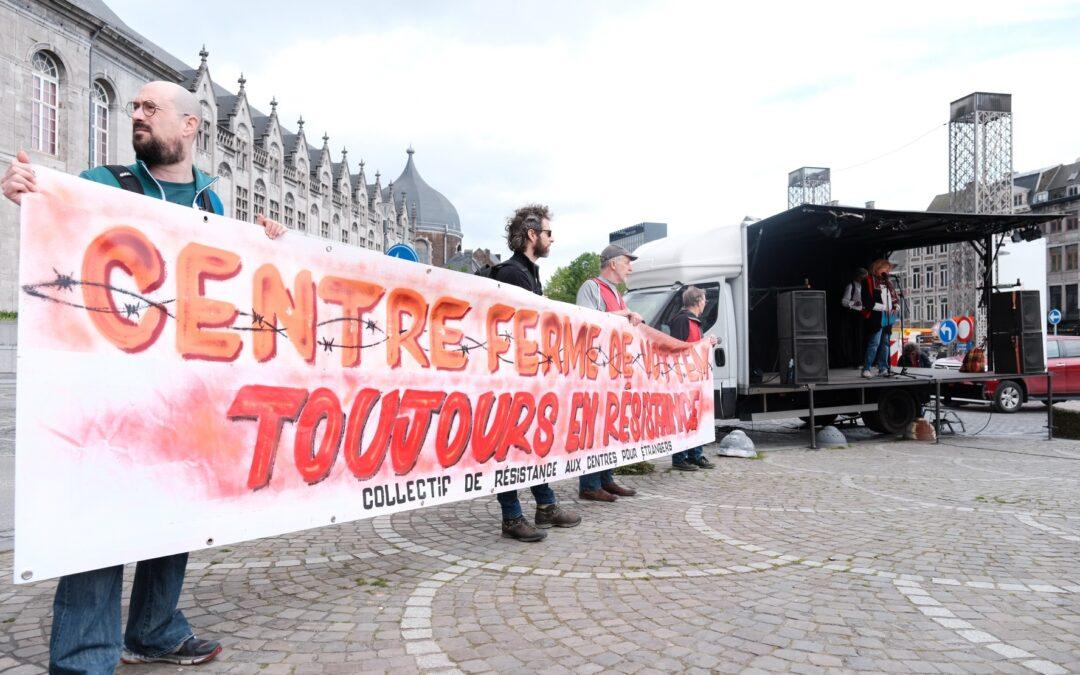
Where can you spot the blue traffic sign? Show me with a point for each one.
(947, 331)
(403, 251)
(1054, 317)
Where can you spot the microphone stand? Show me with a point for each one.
(902, 297)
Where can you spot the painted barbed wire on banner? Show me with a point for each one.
(189, 380)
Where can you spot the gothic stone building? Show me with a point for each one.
(68, 66)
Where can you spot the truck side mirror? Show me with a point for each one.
(719, 357)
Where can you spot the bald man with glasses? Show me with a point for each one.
(85, 638)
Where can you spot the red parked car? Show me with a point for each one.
(1009, 393)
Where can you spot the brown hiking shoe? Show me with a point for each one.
(552, 515)
(520, 529)
(619, 490)
(597, 495)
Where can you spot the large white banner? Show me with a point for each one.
(184, 382)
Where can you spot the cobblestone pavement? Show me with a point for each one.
(887, 556)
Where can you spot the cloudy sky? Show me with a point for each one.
(690, 113)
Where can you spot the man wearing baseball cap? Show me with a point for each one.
(602, 293)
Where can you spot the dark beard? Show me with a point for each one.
(154, 152)
(540, 249)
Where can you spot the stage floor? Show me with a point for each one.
(850, 378)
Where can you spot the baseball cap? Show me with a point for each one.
(614, 251)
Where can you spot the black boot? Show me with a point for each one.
(553, 515)
(522, 530)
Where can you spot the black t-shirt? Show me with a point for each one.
(521, 272)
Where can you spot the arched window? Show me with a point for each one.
(46, 87)
(301, 178)
(241, 204)
(224, 172)
(99, 102)
(205, 139)
(243, 147)
(290, 210)
(260, 197)
(275, 163)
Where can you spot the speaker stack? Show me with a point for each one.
(1017, 338)
(804, 341)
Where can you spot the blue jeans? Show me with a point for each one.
(86, 616)
(596, 480)
(688, 455)
(511, 506)
(877, 349)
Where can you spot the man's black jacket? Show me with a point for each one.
(519, 271)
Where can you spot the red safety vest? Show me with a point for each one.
(871, 285)
(695, 330)
(613, 302)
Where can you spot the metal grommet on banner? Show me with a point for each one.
(206, 219)
(329, 249)
(333, 519)
(210, 541)
(27, 575)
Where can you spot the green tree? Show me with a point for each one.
(566, 281)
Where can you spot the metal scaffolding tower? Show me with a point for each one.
(809, 185)
(980, 181)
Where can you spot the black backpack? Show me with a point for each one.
(131, 183)
(490, 271)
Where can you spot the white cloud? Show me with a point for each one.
(689, 113)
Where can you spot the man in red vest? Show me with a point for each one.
(602, 293)
(686, 326)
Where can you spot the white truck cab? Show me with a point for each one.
(712, 261)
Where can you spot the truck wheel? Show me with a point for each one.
(873, 421)
(896, 410)
(1008, 397)
(820, 420)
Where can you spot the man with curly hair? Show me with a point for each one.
(528, 235)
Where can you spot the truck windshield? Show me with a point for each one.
(649, 302)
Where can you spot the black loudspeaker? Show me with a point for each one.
(1015, 312)
(800, 314)
(804, 360)
(803, 355)
(1018, 353)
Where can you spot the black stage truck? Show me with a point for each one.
(776, 340)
